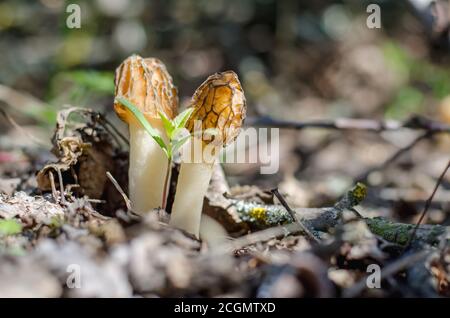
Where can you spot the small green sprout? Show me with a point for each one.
(173, 127)
(10, 227)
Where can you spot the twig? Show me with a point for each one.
(256, 237)
(22, 102)
(120, 190)
(415, 123)
(21, 130)
(166, 185)
(259, 216)
(106, 127)
(430, 127)
(61, 186)
(386, 272)
(427, 205)
(52, 184)
(106, 122)
(319, 219)
(294, 215)
(96, 201)
(363, 177)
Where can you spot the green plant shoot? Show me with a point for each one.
(171, 127)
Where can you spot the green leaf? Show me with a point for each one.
(179, 137)
(140, 117)
(9, 227)
(169, 126)
(182, 118)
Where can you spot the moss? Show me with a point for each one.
(400, 232)
(435, 233)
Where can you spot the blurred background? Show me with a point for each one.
(297, 60)
(294, 57)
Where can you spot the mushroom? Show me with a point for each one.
(219, 105)
(146, 83)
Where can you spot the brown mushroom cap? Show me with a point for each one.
(219, 103)
(147, 84)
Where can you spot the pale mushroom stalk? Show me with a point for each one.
(219, 104)
(188, 205)
(148, 170)
(148, 86)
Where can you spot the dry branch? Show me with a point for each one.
(415, 123)
(278, 220)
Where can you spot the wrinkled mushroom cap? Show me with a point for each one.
(147, 84)
(219, 103)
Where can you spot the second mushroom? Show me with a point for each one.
(219, 111)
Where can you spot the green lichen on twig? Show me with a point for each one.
(262, 216)
(400, 233)
(352, 198)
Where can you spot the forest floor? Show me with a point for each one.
(66, 231)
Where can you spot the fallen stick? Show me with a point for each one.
(276, 221)
(415, 123)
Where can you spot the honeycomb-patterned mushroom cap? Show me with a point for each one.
(219, 103)
(147, 84)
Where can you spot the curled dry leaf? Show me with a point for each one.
(68, 150)
(84, 155)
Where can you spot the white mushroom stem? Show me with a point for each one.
(212, 231)
(148, 169)
(192, 185)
